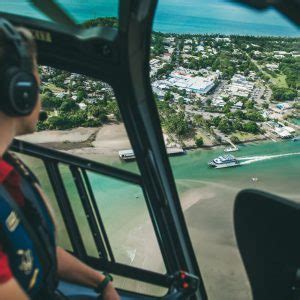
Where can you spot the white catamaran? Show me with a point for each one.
(225, 161)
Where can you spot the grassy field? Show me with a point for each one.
(242, 136)
(53, 88)
(280, 81)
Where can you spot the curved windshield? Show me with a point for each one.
(224, 78)
(219, 17)
(80, 11)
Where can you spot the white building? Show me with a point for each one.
(238, 105)
(240, 86)
(82, 106)
(272, 67)
(218, 102)
(195, 84)
(282, 132)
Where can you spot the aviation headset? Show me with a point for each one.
(18, 87)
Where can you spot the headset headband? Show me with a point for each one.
(19, 42)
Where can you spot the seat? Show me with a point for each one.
(267, 232)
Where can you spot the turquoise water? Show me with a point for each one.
(275, 164)
(295, 121)
(189, 16)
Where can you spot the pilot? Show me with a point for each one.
(30, 262)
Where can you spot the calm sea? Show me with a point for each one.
(180, 16)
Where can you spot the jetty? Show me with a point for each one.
(233, 147)
(128, 155)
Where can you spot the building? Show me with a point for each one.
(218, 102)
(82, 106)
(193, 84)
(282, 132)
(240, 86)
(238, 105)
(272, 67)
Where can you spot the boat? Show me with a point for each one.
(231, 149)
(225, 161)
(296, 138)
(128, 155)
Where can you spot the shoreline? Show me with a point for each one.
(107, 140)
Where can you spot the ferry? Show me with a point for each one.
(225, 161)
(231, 149)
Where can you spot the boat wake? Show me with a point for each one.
(252, 159)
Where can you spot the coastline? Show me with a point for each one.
(107, 140)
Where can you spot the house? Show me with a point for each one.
(218, 102)
(82, 106)
(238, 105)
(282, 133)
(272, 67)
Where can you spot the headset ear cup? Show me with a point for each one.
(21, 92)
(6, 106)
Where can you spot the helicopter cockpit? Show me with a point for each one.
(116, 51)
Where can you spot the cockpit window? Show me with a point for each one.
(220, 73)
(79, 11)
(23, 8)
(219, 16)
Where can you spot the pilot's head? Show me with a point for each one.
(17, 124)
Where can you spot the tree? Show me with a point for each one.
(43, 116)
(98, 112)
(249, 104)
(208, 102)
(254, 115)
(50, 102)
(69, 106)
(168, 96)
(113, 108)
(199, 141)
(251, 127)
(283, 94)
(265, 105)
(225, 126)
(198, 120)
(235, 139)
(216, 121)
(177, 124)
(81, 95)
(59, 122)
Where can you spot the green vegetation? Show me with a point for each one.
(104, 22)
(73, 100)
(177, 124)
(199, 141)
(290, 67)
(235, 139)
(283, 94)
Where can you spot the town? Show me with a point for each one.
(209, 90)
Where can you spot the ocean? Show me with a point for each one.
(174, 16)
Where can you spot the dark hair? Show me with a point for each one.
(8, 54)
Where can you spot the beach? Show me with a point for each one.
(106, 140)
